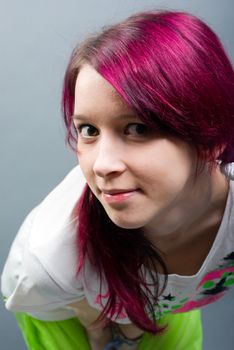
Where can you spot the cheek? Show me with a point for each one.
(165, 164)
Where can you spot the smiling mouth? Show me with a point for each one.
(118, 191)
(118, 196)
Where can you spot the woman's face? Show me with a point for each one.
(140, 177)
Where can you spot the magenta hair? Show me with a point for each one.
(172, 70)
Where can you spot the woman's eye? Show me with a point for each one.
(137, 129)
(87, 131)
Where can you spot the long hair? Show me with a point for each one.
(172, 70)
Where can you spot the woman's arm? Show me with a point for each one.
(130, 331)
(100, 335)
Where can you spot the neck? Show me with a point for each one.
(199, 211)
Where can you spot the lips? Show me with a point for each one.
(118, 195)
(118, 191)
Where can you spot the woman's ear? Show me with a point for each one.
(216, 152)
(219, 150)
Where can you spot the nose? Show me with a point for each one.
(109, 158)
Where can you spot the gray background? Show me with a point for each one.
(36, 39)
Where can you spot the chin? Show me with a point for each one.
(126, 224)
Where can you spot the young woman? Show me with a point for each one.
(139, 236)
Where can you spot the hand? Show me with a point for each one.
(120, 341)
(126, 333)
(98, 338)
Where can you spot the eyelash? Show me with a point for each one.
(80, 127)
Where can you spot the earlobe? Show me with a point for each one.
(226, 168)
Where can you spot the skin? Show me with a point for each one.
(117, 151)
(100, 335)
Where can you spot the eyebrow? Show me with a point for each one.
(79, 117)
(118, 116)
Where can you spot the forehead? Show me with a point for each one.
(92, 91)
(88, 77)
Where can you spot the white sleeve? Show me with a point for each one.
(29, 286)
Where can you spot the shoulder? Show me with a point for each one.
(52, 239)
(40, 271)
(55, 212)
